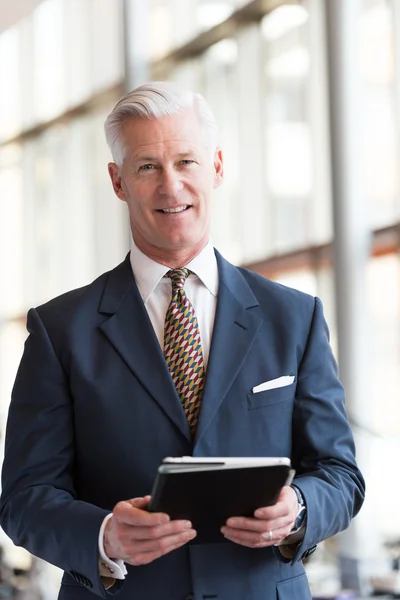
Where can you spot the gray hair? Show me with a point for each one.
(155, 99)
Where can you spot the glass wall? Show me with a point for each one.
(380, 113)
(176, 22)
(62, 225)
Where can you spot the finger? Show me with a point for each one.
(141, 502)
(252, 540)
(269, 513)
(163, 545)
(131, 512)
(159, 531)
(258, 525)
(286, 504)
(147, 551)
(249, 539)
(280, 534)
(248, 523)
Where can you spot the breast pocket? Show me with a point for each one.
(269, 397)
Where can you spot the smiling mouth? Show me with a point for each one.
(176, 209)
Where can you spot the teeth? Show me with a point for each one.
(174, 210)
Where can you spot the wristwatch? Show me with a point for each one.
(302, 509)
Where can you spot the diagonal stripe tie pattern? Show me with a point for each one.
(182, 348)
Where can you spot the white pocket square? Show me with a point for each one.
(274, 383)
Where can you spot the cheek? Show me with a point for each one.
(202, 186)
(139, 195)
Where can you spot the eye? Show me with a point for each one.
(186, 161)
(146, 167)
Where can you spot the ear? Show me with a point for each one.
(116, 180)
(218, 167)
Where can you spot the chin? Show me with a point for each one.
(181, 242)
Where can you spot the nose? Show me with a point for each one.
(171, 183)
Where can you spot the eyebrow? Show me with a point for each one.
(146, 158)
(186, 154)
(180, 156)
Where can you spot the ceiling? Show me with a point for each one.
(12, 11)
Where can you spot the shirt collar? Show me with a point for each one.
(148, 273)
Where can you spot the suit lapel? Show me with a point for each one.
(237, 321)
(130, 331)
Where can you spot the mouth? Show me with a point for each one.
(175, 209)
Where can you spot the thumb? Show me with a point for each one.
(141, 503)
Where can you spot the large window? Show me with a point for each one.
(296, 159)
(174, 23)
(61, 226)
(10, 102)
(380, 114)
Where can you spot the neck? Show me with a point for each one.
(172, 259)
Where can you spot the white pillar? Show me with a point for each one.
(136, 15)
(358, 545)
(136, 21)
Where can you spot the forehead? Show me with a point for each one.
(182, 132)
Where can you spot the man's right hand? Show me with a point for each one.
(138, 537)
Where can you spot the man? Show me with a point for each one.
(101, 396)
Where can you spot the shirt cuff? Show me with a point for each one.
(109, 568)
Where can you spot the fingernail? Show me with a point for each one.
(164, 519)
(187, 525)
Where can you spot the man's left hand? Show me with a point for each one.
(269, 526)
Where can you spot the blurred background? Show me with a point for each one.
(307, 98)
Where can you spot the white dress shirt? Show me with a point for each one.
(201, 288)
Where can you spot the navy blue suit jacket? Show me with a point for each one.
(94, 411)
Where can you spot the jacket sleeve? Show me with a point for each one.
(323, 445)
(39, 509)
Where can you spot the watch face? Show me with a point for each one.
(300, 517)
(299, 495)
(302, 508)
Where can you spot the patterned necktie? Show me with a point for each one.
(182, 348)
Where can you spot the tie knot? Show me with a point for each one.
(178, 278)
